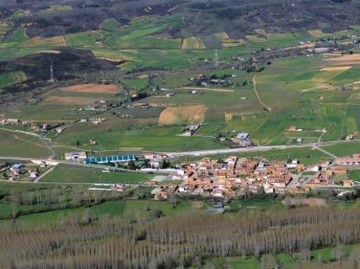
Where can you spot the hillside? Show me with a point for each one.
(238, 18)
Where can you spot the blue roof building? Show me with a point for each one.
(110, 159)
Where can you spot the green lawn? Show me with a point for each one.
(354, 175)
(344, 149)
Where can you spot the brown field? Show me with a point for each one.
(349, 59)
(68, 100)
(53, 41)
(317, 33)
(304, 46)
(227, 41)
(92, 88)
(337, 68)
(50, 51)
(192, 43)
(183, 114)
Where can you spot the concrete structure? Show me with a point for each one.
(75, 156)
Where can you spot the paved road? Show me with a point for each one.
(326, 152)
(251, 149)
(205, 152)
(48, 145)
(40, 177)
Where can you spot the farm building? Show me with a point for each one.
(74, 156)
(17, 168)
(243, 139)
(111, 159)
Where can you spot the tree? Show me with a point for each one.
(165, 164)
(132, 165)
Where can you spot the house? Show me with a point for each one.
(45, 127)
(348, 183)
(59, 130)
(13, 121)
(349, 161)
(243, 139)
(75, 156)
(161, 196)
(97, 121)
(17, 168)
(292, 164)
(291, 128)
(34, 175)
(170, 94)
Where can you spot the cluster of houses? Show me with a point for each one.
(95, 121)
(20, 170)
(236, 176)
(34, 126)
(99, 106)
(353, 160)
(202, 80)
(237, 139)
(233, 176)
(293, 128)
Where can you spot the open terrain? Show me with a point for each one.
(122, 77)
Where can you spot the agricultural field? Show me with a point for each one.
(227, 42)
(287, 73)
(9, 79)
(73, 174)
(21, 145)
(122, 137)
(142, 34)
(85, 39)
(56, 41)
(192, 43)
(183, 115)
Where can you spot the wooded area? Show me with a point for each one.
(80, 241)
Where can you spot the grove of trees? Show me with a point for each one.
(178, 241)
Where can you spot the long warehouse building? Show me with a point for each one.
(111, 159)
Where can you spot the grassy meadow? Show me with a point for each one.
(74, 174)
(21, 145)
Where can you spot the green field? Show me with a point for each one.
(17, 35)
(149, 138)
(344, 149)
(85, 39)
(9, 79)
(74, 174)
(127, 209)
(354, 175)
(21, 145)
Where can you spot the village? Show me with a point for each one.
(231, 177)
(234, 177)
